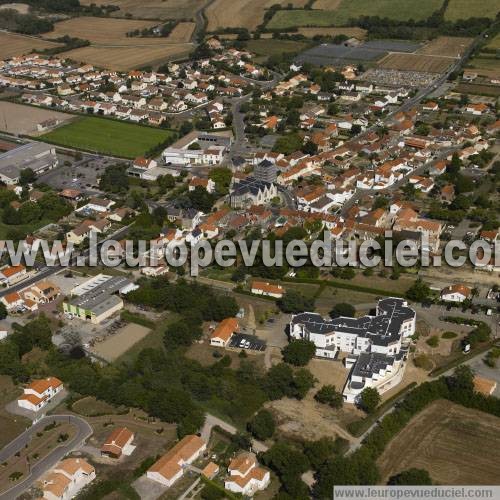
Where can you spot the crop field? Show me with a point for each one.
(358, 33)
(463, 9)
(457, 445)
(153, 9)
(494, 43)
(244, 13)
(485, 66)
(102, 31)
(272, 47)
(111, 48)
(17, 45)
(347, 9)
(21, 119)
(449, 46)
(127, 58)
(108, 136)
(181, 33)
(326, 4)
(415, 62)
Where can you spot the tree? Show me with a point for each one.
(369, 399)
(299, 352)
(3, 311)
(295, 302)
(411, 477)
(419, 291)
(222, 177)
(343, 309)
(114, 179)
(262, 425)
(329, 395)
(26, 176)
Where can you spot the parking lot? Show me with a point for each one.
(243, 341)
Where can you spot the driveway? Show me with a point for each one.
(84, 431)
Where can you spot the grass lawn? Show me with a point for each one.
(394, 9)
(464, 9)
(494, 43)
(11, 425)
(108, 136)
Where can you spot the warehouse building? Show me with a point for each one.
(37, 156)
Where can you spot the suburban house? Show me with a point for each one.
(222, 334)
(456, 293)
(267, 289)
(245, 476)
(39, 393)
(375, 343)
(118, 443)
(11, 275)
(170, 467)
(67, 478)
(42, 292)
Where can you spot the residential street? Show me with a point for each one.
(43, 465)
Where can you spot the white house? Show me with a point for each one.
(267, 289)
(456, 293)
(39, 393)
(170, 467)
(222, 334)
(67, 478)
(245, 476)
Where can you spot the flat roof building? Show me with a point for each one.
(37, 156)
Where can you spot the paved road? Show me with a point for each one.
(47, 271)
(212, 420)
(84, 431)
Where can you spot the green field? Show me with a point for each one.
(108, 137)
(271, 47)
(494, 43)
(401, 10)
(463, 9)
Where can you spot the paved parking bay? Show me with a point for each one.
(255, 343)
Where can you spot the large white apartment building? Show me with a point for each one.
(375, 343)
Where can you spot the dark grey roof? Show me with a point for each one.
(382, 329)
(250, 185)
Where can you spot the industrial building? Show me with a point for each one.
(98, 298)
(37, 156)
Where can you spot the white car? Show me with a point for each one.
(247, 344)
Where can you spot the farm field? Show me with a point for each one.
(181, 33)
(473, 88)
(108, 136)
(358, 33)
(415, 62)
(154, 9)
(127, 58)
(12, 44)
(21, 119)
(244, 13)
(463, 9)
(448, 46)
(485, 66)
(103, 31)
(120, 342)
(347, 9)
(494, 43)
(266, 48)
(449, 441)
(326, 4)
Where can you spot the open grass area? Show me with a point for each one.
(457, 445)
(494, 43)
(109, 137)
(275, 47)
(11, 425)
(393, 9)
(464, 9)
